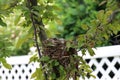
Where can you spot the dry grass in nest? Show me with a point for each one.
(57, 49)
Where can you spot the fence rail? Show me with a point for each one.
(105, 65)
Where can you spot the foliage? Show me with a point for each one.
(80, 17)
(86, 24)
(76, 13)
(10, 30)
(10, 34)
(64, 73)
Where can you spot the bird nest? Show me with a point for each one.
(57, 49)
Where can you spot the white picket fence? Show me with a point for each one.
(105, 65)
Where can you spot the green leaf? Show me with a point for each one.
(2, 23)
(34, 75)
(33, 58)
(45, 58)
(84, 27)
(100, 15)
(92, 75)
(5, 64)
(38, 74)
(68, 45)
(56, 63)
(53, 76)
(21, 40)
(17, 19)
(83, 51)
(91, 52)
(24, 37)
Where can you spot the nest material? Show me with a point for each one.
(56, 49)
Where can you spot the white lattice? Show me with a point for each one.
(21, 70)
(18, 72)
(105, 68)
(105, 65)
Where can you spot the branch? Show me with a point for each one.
(112, 16)
(31, 3)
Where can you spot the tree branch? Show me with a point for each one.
(31, 3)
